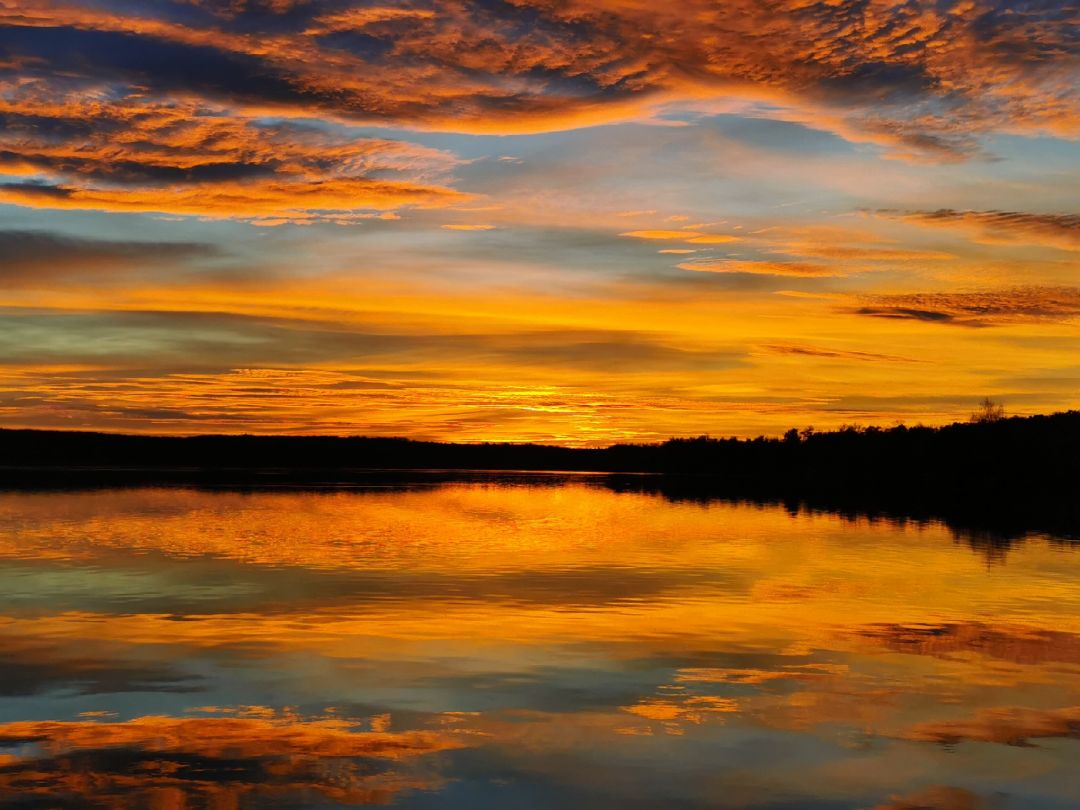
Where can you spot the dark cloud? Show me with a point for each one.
(906, 313)
(979, 308)
(1002, 227)
(32, 190)
(37, 257)
(166, 65)
(837, 354)
(133, 172)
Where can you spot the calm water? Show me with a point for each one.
(524, 646)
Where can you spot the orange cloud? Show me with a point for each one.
(861, 253)
(690, 237)
(837, 354)
(132, 155)
(662, 234)
(763, 268)
(357, 19)
(846, 250)
(276, 202)
(712, 239)
(922, 79)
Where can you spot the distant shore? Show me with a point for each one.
(1016, 474)
(969, 456)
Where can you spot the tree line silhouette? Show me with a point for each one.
(987, 452)
(1023, 472)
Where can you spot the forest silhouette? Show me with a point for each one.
(1014, 474)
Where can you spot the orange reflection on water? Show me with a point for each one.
(534, 626)
(164, 762)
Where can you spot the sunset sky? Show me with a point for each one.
(572, 221)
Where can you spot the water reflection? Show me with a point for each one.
(218, 762)
(480, 644)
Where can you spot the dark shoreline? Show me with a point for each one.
(1005, 477)
(990, 526)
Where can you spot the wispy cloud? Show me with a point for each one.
(34, 258)
(979, 308)
(1002, 227)
(836, 354)
(763, 268)
(125, 153)
(690, 237)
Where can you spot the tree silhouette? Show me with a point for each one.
(989, 411)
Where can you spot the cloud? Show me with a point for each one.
(1061, 231)
(764, 268)
(1002, 307)
(267, 204)
(305, 372)
(129, 154)
(712, 239)
(358, 19)
(815, 251)
(31, 258)
(922, 79)
(862, 253)
(124, 338)
(662, 234)
(899, 312)
(468, 227)
(623, 354)
(836, 354)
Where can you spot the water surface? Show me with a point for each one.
(524, 645)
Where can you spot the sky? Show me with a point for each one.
(568, 221)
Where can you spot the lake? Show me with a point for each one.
(525, 642)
